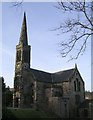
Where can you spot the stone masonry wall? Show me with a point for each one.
(60, 106)
(73, 94)
(42, 100)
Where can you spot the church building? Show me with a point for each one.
(60, 92)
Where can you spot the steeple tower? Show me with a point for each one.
(22, 64)
(23, 49)
(23, 35)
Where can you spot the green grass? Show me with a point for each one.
(26, 113)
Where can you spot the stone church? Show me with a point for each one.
(60, 92)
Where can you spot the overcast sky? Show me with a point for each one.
(41, 18)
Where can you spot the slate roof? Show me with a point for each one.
(62, 75)
(52, 77)
(41, 75)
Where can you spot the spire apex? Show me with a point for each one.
(23, 35)
(75, 65)
(24, 14)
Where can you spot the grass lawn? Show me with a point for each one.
(23, 113)
(27, 113)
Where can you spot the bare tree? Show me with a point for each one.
(17, 3)
(79, 27)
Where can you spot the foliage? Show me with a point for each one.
(6, 114)
(7, 95)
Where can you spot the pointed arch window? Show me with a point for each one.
(75, 85)
(79, 85)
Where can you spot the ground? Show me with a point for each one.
(29, 114)
(10, 113)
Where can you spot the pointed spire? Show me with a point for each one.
(75, 65)
(23, 35)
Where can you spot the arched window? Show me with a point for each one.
(75, 85)
(79, 85)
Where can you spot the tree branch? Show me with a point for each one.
(18, 3)
(79, 29)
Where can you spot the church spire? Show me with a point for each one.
(23, 35)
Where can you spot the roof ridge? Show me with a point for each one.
(40, 70)
(51, 72)
(65, 70)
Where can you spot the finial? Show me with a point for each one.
(24, 14)
(75, 65)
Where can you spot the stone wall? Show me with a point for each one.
(60, 106)
(76, 97)
(41, 98)
(65, 86)
(57, 105)
(86, 111)
(28, 90)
